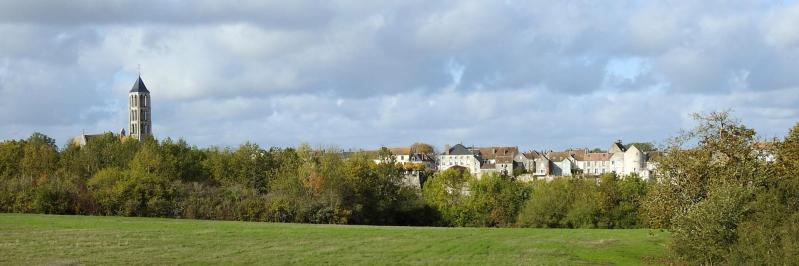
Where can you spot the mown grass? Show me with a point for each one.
(51, 239)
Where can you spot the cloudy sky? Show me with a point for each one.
(537, 74)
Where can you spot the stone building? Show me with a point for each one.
(459, 155)
(618, 159)
(140, 117)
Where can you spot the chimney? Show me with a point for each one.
(446, 149)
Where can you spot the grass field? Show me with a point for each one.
(49, 239)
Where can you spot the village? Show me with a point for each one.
(624, 161)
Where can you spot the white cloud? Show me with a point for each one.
(536, 74)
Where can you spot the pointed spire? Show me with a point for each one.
(138, 86)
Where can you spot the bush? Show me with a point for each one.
(547, 206)
(707, 231)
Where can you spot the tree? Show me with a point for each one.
(608, 198)
(108, 150)
(548, 204)
(187, 160)
(11, 153)
(769, 234)
(40, 157)
(703, 190)
(642, 146)
(632, 191)
(447, 192)
(423, 148)
(724, 154)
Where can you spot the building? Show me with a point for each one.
(459, 155)
(415, 165)
(480, 160)
(140, 117)
(618, 159)
(534, 162)
(83, 139)
(562, 163)
(499, 159)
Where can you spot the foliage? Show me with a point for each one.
(496, 200)
(581, 202)
(728, 198)
(424, 148)
(642, 146)
(447, 192)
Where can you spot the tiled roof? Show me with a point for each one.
(596, 156)
(504, 159)
(559, 155)
(489, 153)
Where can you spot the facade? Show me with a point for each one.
(618, 159)
(140, 115)
(562, 163)
(481, 160)
(459, 155)
(536, 163)
(499, 159)
(503, 160)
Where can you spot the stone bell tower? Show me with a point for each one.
(141, 124)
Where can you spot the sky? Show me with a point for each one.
(363, 74)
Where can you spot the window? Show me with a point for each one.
(132, 128)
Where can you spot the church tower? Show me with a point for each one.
(141, 124)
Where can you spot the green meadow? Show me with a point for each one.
(56, 240)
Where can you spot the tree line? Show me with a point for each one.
(112, 175)
(726, 197)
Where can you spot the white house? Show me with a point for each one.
(459, 155)
(618, 159)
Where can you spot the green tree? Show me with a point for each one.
(769, 233)
(496, 200)
(447, 192)
(11, 154)
(724, 154)
(40, 157)
(642, 146)
(548, 204)
(702, 191)
(424, 148)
